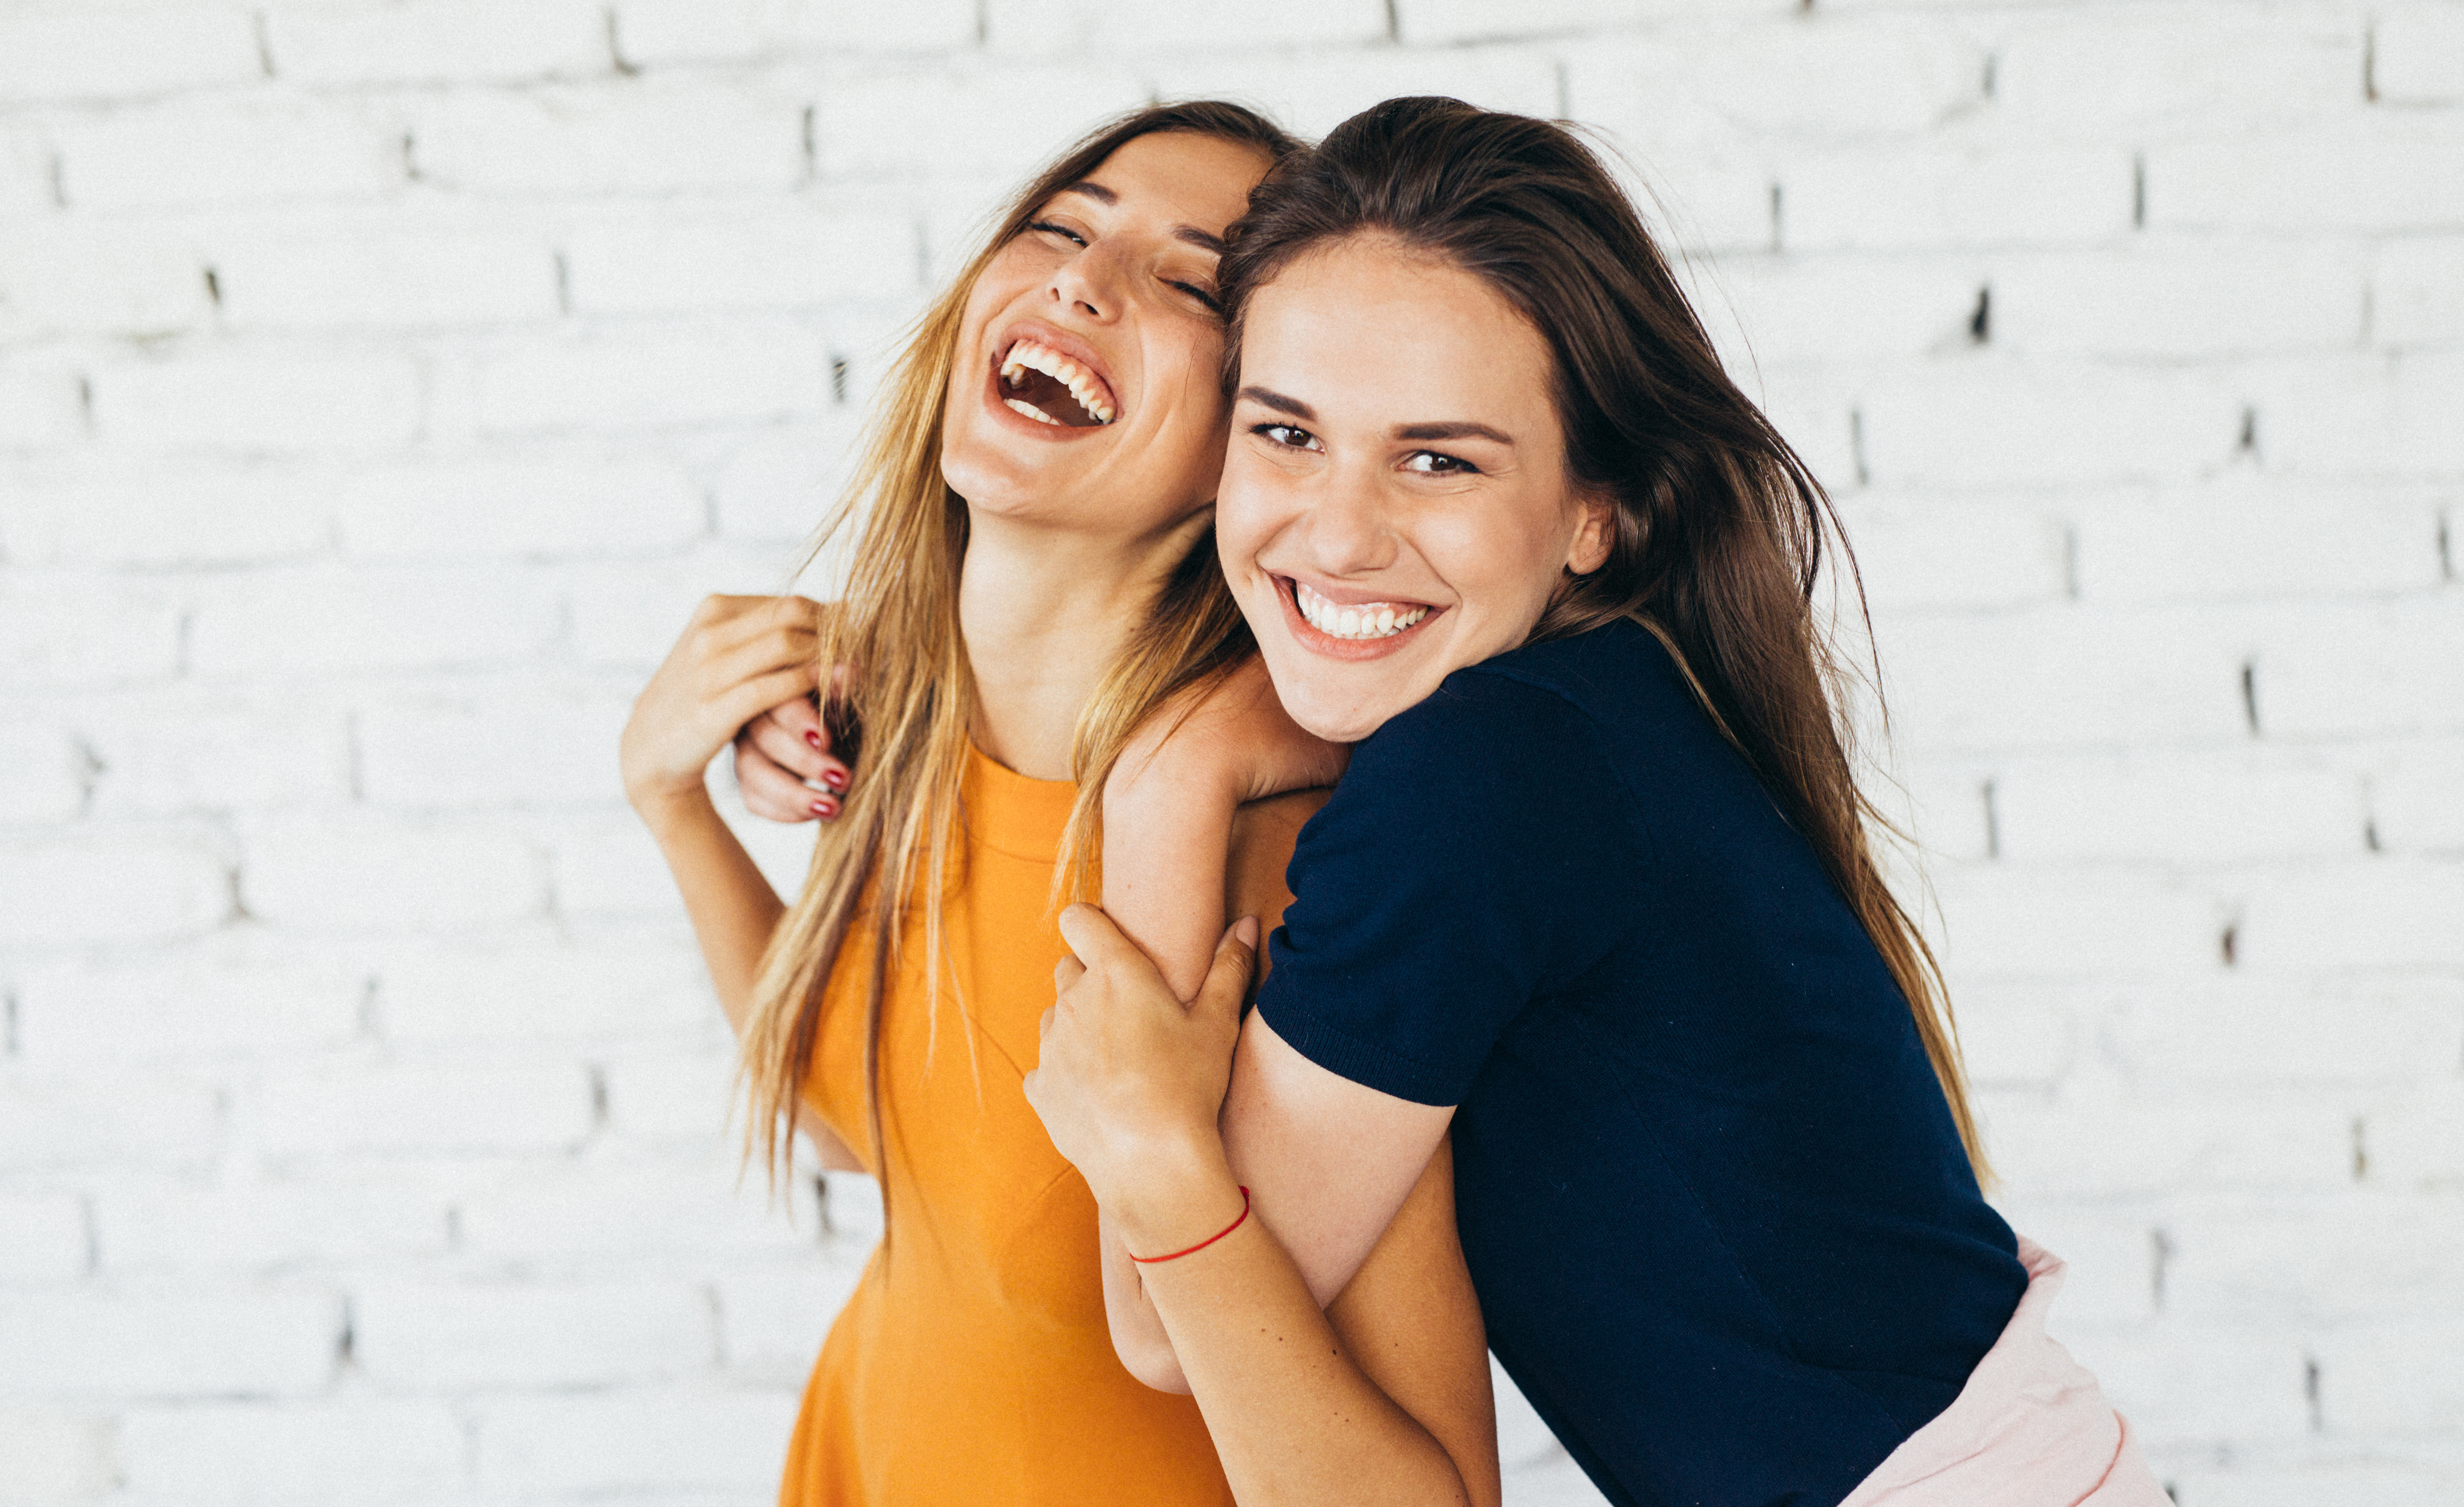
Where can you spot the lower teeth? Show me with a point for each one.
(1032, 411)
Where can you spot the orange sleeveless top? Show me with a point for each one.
(973, 1363)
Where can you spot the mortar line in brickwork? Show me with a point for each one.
(616, 58)
(1395, 33)
(88, 769)
(2370, 63)
(1993, 824)
(8, 1023)
(264, 44)
(2446, 550)
(2139, 191)
(984, 23)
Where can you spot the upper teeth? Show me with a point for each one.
(1368, 620)
(1083, 385)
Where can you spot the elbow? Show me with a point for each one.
(1150, 1359)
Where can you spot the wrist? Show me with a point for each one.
(667, 812)
(1179, 1197)
(1176, 780)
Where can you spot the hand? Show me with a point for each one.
(737, 657)
(1129, 1081)
(781, 757)
(1235, 743)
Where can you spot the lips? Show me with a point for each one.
(1049, 380)
(1362, 629)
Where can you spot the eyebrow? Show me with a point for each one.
(1459, 429)
(1268, 398)
(1456, 429)
(1203, 240)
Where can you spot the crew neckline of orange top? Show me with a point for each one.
(1012, 814)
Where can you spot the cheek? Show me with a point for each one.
(1502, 563)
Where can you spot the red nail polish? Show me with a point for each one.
(813, 736)
(825, 808)
(835, 779)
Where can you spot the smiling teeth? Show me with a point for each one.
(1371, 620)
(1083, 385)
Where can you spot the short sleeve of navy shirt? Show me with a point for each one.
(1723, 1230)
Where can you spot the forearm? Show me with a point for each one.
(732, 908)
(1293, 1417)
(1164, 875)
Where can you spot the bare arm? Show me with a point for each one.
(737, 657)
(1383, 1399)
(1176, 831)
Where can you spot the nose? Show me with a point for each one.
(1348, 533)
(1088, 283)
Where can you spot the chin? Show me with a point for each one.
(1336, 714)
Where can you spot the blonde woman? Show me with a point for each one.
(1034, 581)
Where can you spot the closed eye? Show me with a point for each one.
(1201, 295)
(1051, 229)
(1438, 463)
(1289, 436)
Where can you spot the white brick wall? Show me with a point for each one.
(381, 382)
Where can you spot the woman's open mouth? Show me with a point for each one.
(1052, 388)
(1348, 629)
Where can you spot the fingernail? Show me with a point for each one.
(836, 780)
(813, 736)
(1246, 929)
(825, 808)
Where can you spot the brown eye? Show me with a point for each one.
(1289, 436)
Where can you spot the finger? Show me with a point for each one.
(769, 734)
(753, 614)
(775, 793)
(1100, 944)
(1227, 977)
(747, 699)
(761, 653)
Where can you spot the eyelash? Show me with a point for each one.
(1080, 241)
(1454, 465)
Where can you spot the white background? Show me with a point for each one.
(380, 386)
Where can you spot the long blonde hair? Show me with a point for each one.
(908, 709)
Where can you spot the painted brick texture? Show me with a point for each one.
(382, 382)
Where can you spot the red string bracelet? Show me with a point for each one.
(1204, 1244)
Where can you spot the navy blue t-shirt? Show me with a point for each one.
(1714, 1203)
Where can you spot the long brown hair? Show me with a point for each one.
(1718, 528)
(911, 705)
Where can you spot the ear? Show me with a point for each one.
(1595, 524)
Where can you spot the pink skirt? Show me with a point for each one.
(2029, 1430)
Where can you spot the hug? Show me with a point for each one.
(1589, 1032)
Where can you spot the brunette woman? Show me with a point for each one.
(1594, 889)
(1033, 579)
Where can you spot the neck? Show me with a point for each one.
(1045, 613)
